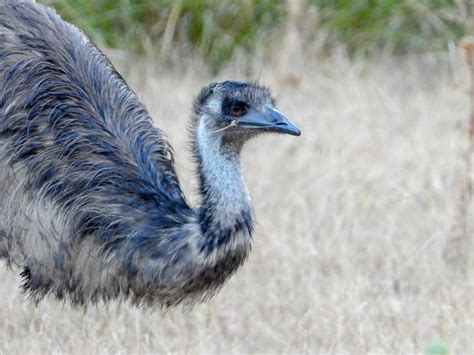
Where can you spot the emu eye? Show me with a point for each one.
(237, 110)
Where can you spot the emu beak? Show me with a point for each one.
(270, 120)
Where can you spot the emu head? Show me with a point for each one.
(237, 111)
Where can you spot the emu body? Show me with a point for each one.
(90, 205)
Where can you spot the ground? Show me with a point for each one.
(357, 246)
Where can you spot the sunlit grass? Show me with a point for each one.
(352, 219)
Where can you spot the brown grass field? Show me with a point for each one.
(355, 250)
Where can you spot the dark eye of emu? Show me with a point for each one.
(237, 109)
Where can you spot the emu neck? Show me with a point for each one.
(226, 207)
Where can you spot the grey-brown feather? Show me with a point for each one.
(90, 205)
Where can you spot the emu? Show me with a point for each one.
(91, 208)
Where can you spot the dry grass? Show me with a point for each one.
(353, 220)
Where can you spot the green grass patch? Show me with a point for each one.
(215, 29)
(403, 26)
(212, 28)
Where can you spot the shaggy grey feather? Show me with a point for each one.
(90, 205)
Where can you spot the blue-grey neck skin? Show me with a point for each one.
(226, 211)
(90, 206)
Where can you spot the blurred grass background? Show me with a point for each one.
(215, 30)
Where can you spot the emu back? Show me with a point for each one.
(82, 170)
